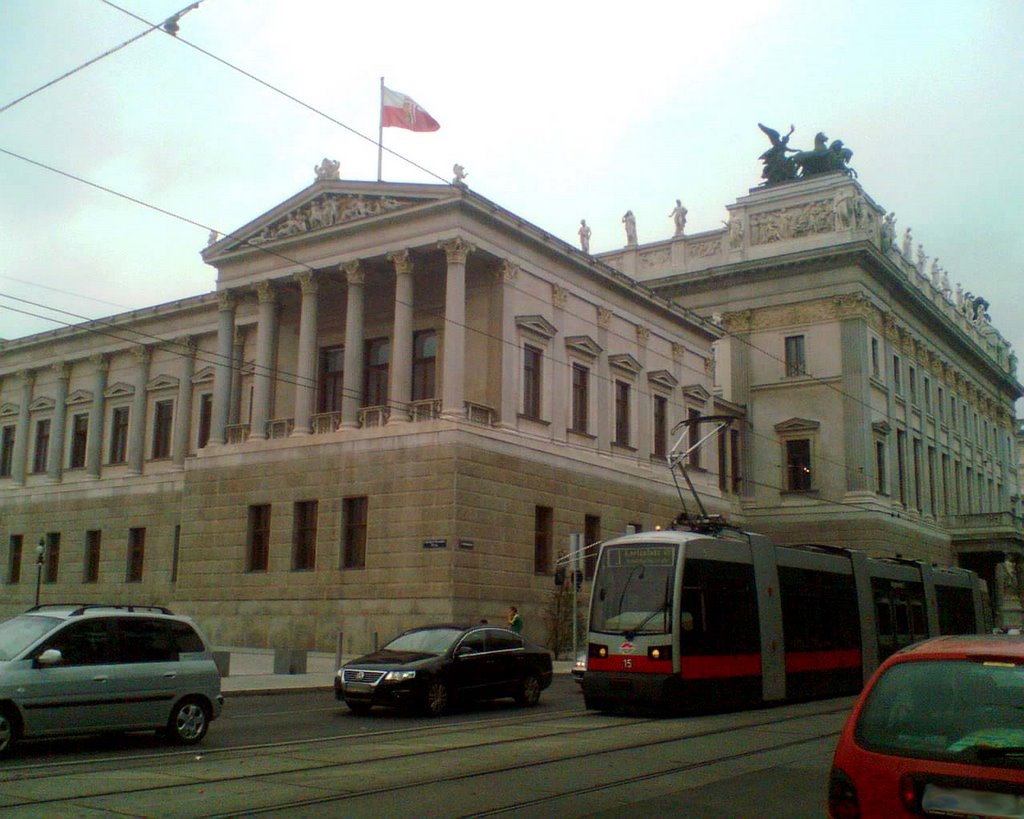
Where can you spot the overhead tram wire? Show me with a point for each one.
(107, 53)
(285, 94)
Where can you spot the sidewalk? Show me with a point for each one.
(251, 671)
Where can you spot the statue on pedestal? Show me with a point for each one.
(629, 220)
(584, 232)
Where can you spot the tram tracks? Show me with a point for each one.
(349, 758)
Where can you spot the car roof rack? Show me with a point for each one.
(81, 608)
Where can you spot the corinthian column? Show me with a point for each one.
(183, 411)
(352, 388)
(305, 389)
(508, 274)
(55, 457)
(94, 445)
(222, 367)
(263, 376)
(21, 432)
(400, 389)
(453, 378)
(137, 421)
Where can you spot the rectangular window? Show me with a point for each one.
(79, 438)
(580, 398)
(118, 435)
(163, 422)
(42, 448)
(912, 384)
(377, 361)
(531, 381)
(798, 465)
(175, 551)
(931, 481)
(354, 530)
(591, 535)
(918, 474)
(927, 389)
(694, 437)
(332, 379)
(136, 554)
(897, 376)
(304, 536)
(258, 537)
(958, 486)
(6, 451)
(901, 465)
(735, 464)
(424, 365)
(205, 419)
(942, 407)
(52, 557)
(723, 460)
(91, 569)
(876, 358)
(622, 413)
(14, 547)
(796, 357)
(543, 535)
(660, 426)
(880, 483)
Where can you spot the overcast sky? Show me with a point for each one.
(559, 111)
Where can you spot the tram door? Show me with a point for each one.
(899, 614)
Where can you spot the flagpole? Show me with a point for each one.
(380, 130)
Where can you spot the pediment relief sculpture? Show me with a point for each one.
(625, 362)
(696, 392)
(797, 425)
(79, 397)
(119, 390)
(663, 379)
(204, 376)
(324, 211)
(8, 409)
(538, 325)
(162, 382)
(41, 404)
(584, 346)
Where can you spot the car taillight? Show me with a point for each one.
(908, 793)
(842, 796)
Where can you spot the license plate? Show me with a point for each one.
(968, 802)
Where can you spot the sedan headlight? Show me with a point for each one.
(399, 676)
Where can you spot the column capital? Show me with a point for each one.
(508, 271)
(643, 335)
(456, 250)
(559, 297)
(309, 283)
(225, 300)
(604, 317)
(141, 353)
(401, 260)
(354, 273)
(265, 292)
(27, 376)
(61, 370)
(187, 344)
(100, 361)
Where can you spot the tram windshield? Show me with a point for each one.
(633, 590)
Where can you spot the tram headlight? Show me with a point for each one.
(597, 650)
(659, 653)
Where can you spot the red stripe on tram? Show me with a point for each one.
(727, 665)
(797, 661)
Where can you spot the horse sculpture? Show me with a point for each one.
(823, 158)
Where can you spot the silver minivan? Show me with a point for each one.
(93, 668)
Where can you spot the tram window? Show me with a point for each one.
(721, 600)
(902, 618)
(883, 610)
(918, 625)
(956, 610)
(819, 610)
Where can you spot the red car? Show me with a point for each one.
(938, 730)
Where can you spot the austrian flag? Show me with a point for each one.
(399, 111)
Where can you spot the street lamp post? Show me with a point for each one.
(40, 557)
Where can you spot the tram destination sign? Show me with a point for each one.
(630, 556)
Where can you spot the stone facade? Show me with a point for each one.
(396, 407)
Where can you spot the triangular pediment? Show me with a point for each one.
(797, 425)
(327, 203)
(626, 363)
(8, 409)
(583, 345)
(41, 404)
(162, 382)
(538, 325)
(881, 427)
(663, 379)
(696, 392)
(119, 390)
(204, 376)
(79, 397)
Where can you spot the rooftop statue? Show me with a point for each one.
(823, 158)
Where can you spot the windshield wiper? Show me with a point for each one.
(629, 634)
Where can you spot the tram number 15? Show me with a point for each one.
(627, 662)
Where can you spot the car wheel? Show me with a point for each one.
(8, 729)
(437, 698)
(189, 721)
(529, 691)
(358, 708)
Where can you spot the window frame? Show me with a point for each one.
(795, 355)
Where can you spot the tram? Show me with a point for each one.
(707, 617)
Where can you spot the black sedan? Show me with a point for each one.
(431, 668)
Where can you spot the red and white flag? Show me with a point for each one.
(399, 111)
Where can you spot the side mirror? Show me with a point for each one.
(51, 656)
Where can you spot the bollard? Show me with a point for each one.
(223, 661)
(338, 649)
(289, 661)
